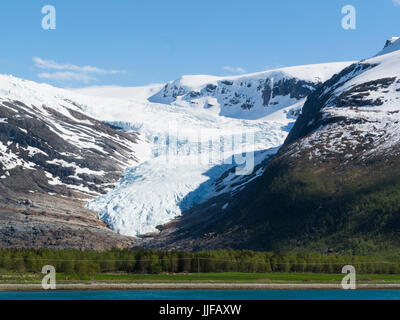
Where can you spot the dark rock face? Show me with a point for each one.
(387, 43)
(194, 94)
(176, 91)
(390, 42)
(247, 105)
(358, 95)
(247, 93)
(211, 88)
(227, 82)
(294, 88)
(267, 92)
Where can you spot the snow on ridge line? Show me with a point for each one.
(251, 96)
(384, 66)
(310, 72)
(118, 92)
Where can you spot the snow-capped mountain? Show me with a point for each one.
(250, 96)
(357, 112)
(81, 141)
(332, 186)
(47, 136)
(160, 189)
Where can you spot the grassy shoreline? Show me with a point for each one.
(201, 281)
(194, 286)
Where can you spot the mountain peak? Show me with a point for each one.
(391, 45)
(390, 41)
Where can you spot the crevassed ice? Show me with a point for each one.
(180, 174)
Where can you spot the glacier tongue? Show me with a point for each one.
(161, 188)
(149, 195)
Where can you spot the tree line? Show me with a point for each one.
(77, 262)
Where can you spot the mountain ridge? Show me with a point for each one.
(249, 96)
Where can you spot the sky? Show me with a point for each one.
(139, 42)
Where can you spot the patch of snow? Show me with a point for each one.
(33, 151)
(10, 160)
(78, 169)
(54, 181)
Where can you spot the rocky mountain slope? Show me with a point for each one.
(332, 187)
(250, 96)
(52, 156)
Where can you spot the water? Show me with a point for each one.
(204, 295)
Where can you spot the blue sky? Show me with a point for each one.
(137, 42)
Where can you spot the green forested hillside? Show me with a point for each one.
(294, 206)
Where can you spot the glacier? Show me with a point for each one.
(185, 128)
(179, 173)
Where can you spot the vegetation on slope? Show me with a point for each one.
(80, 264)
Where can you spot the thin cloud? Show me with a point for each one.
(234, 69)
(396, 2)
(67, 76)
(69, 72)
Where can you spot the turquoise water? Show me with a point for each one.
(205, 295)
